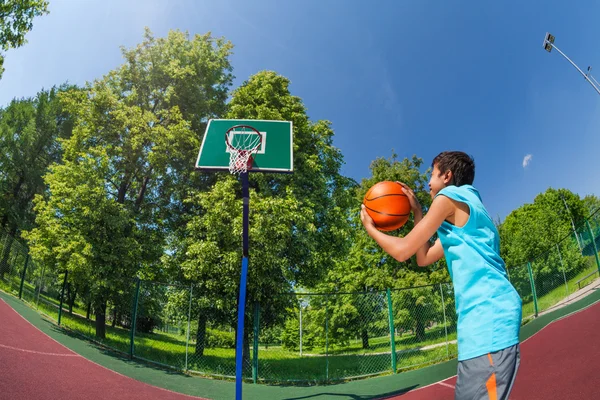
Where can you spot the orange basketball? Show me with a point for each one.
(388, 205)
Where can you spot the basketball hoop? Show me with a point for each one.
(242, 142)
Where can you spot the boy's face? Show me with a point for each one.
(438, 181)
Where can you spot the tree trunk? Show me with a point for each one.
(114, 321)
(4, 265)
(89, 308)
(140, 196)
(201, 334)
(420, 331)
(247, 363)
(365, 338)
(100, 311)
(71, 296)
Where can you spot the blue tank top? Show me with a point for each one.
(487, 305)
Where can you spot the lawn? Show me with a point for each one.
(276, 364)
(554, 296)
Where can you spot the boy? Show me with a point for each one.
(487, 305)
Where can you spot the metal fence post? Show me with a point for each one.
(392, 329)
(445, 321)
(563, 269)
(134, 317)
(187, 334)
(62, 295)
(300, 333)
(255, 343)
(23, 276)
(40, 284)
(535, 305)
(594, 244)
(326, 338)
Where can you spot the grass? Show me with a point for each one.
(559, 293)
(433, 336)
(276, 364)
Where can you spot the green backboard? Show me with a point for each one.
(275, 153)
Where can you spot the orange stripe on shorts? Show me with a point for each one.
(491, 382)
(491, 387)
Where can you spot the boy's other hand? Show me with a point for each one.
(365, 218)
(414, 202)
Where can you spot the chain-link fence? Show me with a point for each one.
(302, 337)
(559, 274)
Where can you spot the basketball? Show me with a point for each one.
(388, 205)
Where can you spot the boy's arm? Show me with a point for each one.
(428, 253)
(403, 248)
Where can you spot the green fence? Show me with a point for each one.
(320, 337)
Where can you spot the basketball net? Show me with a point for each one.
(242, 145)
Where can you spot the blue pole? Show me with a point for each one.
(239, 345)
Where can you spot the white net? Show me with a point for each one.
(242, 144)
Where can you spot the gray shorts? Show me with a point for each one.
(488, 377)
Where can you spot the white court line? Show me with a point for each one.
(99, 365)
(39, 352)
(446, 384)
(544, 327)
(36, 328)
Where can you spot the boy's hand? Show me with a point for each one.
(365, 218)
(414, 202)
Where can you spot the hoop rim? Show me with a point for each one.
(235, 152)
(238, 127)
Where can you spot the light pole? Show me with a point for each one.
(549, 45)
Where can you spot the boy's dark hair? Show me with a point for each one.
(461, 164)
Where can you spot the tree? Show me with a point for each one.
(541, 234)
(16, 19)
(369, 269)
(83, 231)
(30, 130)
(297, 221)
(135, 132)
(532, 229)
(591, 205)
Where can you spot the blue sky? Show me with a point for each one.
(418, 77)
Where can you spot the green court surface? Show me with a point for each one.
(217, 389)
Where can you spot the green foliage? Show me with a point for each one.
(16, 19)
(127, 161)
(533, 229)
(220, 339)
(298, 222)
(80, 229)
(368, 268)
(591, 204)
(542, 233)
(214, 337)
(290, 335)
(270, 336)
(29, 133)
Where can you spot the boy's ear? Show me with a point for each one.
(448, 177)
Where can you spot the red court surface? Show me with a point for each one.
(562, 361)
(559, 362)
(34, 366)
